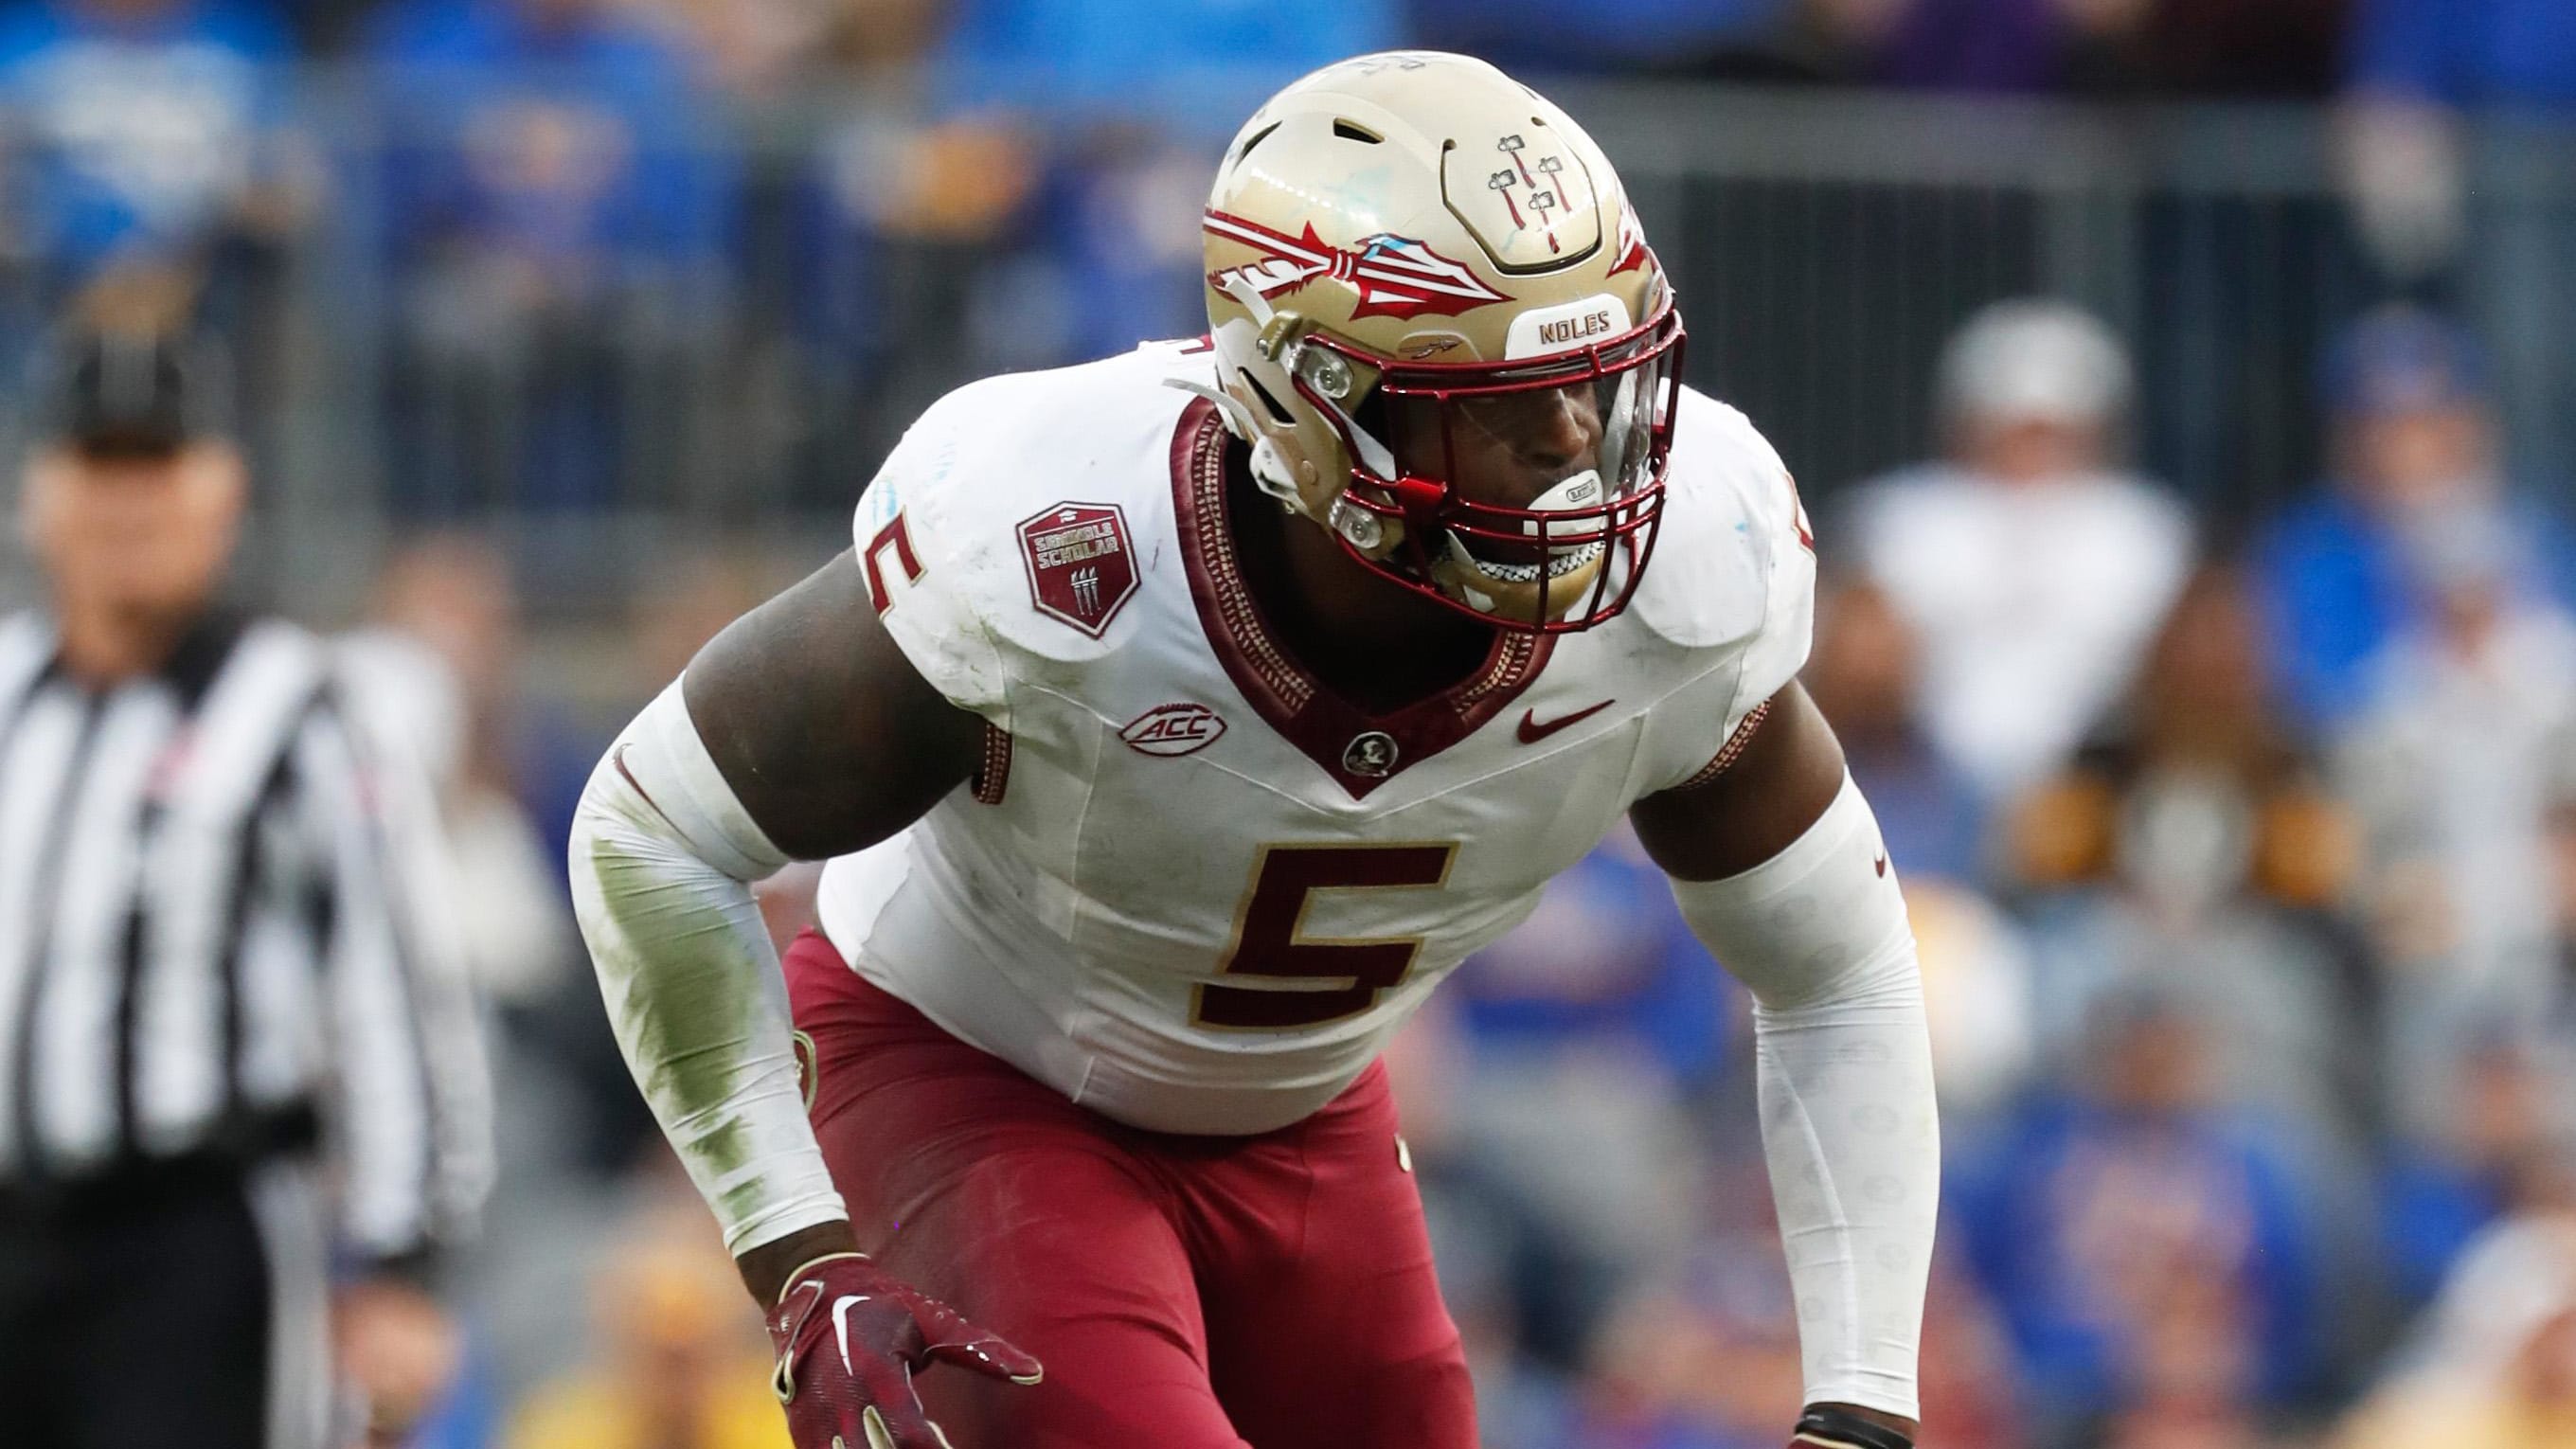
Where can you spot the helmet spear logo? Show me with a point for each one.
(1394, 276)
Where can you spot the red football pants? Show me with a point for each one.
(1274, 1292)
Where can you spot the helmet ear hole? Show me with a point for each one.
(1255, 139)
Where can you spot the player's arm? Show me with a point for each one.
(1778, 866)
(800, 732)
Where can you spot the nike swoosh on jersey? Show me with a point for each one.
(1531, 731)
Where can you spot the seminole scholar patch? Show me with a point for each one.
(1081, 566)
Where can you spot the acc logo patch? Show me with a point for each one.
(1081, 566)
(1173, 729)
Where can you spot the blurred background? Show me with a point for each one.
(2184, 393)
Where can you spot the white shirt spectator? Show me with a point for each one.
(2034, 601)
(2454, 773)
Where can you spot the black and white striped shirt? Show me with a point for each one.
(222, 933)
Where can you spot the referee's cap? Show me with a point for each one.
(133, 390)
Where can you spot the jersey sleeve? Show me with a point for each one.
(926, 572)
(1014, 524)
(1747, 515)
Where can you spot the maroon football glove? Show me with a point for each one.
(849, 1340)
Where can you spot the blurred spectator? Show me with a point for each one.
(2499, 1367)
(1192, 64)
(2193, 847)
(680, 1363)
(2491, 1121)
(1046, 209)
(1527, 1296)
(150, 128)
(2460, 887)
(758, 47)
(1131, 97)
(2417, 483)
(885, 35)
(1714, 1366)
(1977, 987)
(2228, 47)
(558, 216)
(324, 27)
(406, 1355)
(1975, 966)
(2421, 606)
(511, 916)
(905, 281)
(1532, 37)
(453, 592)
(1996, 45)
(1830, 40)
(2129, 1219)
(1971, 1396)
(517, 766)
(1699, 1353)
(2031, 568)
(2233, 47)
(1604, 962)
(2189, 1382)
(1865, 674)
(1603, 1007)
(2485, 53)
(2454, 103)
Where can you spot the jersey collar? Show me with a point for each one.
(1360, 750)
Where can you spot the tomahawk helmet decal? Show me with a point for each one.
(1394, 276)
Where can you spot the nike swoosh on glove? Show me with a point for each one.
(850, 1337)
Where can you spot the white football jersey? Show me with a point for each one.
(1191, 887)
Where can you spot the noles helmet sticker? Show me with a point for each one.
(1082, 567)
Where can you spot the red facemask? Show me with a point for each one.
(1514, 482)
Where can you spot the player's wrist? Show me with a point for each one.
(1848, 1426)
(769, 1269)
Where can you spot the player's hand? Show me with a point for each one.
(850, 1338)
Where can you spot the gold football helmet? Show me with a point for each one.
(1442, 333)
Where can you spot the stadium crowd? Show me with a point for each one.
(2242, 851)
(569, 228)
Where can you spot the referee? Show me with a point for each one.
(235, 1052)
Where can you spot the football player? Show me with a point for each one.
(1175, 723)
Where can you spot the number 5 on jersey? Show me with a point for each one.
(1276, 977)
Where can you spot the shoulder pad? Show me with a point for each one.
(1018, 519)
(1732, 523)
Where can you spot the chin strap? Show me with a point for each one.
(1841, 1429)
(1238, 418)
